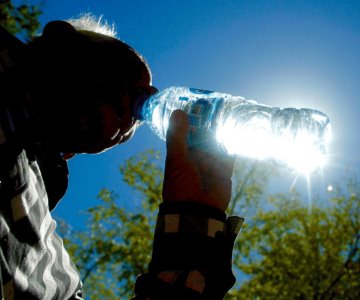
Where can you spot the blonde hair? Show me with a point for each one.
(89, 22)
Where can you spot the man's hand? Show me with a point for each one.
(191, 174)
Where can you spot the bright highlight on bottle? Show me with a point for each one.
(254, 138)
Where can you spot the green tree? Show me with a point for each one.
(292, 251)
(286, 250)
(22, 19)
(117, 245)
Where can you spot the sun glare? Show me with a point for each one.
(300, 153)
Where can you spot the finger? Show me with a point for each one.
(176, 138)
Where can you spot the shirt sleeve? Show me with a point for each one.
(192, 254)
(33, 261)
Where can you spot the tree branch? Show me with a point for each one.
(241, 191)
(89, 270)
(352, 253)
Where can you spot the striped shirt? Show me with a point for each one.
(34, 263)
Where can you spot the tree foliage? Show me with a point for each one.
(292, 251)
(116, 247)
(286, 250)
(22, 19)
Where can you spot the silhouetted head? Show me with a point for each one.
(84, 85)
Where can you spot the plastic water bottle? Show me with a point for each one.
(232, 125)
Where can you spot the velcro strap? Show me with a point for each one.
(190, 224)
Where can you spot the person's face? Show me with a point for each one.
(115, 117)
(95, 129)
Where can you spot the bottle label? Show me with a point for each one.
(203, 111)
(201, 120)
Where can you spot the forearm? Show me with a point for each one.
(191, 255)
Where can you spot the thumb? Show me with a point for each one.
(176, 138)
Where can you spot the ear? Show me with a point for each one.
(58, 29)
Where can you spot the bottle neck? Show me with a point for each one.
(138, 107)
(143, 97)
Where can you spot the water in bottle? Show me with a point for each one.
(235, 126)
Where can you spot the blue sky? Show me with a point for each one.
(280, 53)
